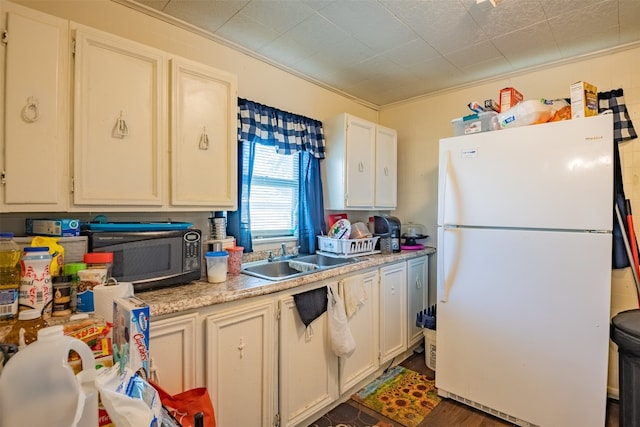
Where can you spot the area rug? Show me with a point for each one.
(400, 394)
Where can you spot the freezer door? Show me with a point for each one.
(556, 175)
(523, 322)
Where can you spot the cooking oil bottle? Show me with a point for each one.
(9, 276)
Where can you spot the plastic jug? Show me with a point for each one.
(39, 388)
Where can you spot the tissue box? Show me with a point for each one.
(584, 99)
(53, 227)
(131, 332)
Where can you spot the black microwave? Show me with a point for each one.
(151, 259)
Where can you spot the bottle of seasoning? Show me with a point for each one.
(61, 296)
(71, 269)
(35, 281)
(9, 276)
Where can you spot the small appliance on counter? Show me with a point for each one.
(410, 233)
(388, 229)
(149, 255)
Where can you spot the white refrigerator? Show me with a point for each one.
(524, 271)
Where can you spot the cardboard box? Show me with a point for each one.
(491, 105)
(509, 97)
(53, 227)
(584, 99)
(131, 332)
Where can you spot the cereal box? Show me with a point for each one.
(131, 333)
(509, 97)
(584, 99)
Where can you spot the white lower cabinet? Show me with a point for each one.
(173, 349)
(417, 295)
(240, 364)
(393, 310)
(308, 367)
(364, 328)
(264, 367)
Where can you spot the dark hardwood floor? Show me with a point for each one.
(448, 413)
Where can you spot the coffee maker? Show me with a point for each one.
(388, 229)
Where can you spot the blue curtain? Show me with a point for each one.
(238, 223)
(311, 206)
(288, 133)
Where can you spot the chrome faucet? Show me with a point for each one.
(283, 253)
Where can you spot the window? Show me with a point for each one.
(274, 192)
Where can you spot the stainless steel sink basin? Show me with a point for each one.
(280, 269)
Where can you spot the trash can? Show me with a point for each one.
(625, 332)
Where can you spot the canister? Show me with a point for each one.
(35, 281)
(235, 259)
(216, 266)
(61, 296)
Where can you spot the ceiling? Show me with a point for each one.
(384, 51)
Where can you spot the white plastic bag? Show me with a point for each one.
(527, 113)
(342, 341)
(129, 400)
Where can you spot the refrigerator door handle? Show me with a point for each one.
(445, 175)
(440, 279)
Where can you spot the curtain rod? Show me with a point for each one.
(277, 109)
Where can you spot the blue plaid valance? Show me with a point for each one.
(286, 131)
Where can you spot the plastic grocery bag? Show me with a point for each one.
(185, 406)
(342, 342)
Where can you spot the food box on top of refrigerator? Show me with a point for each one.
(584, 99)
(131, 333)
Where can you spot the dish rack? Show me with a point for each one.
(347, 247)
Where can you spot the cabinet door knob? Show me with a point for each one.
(360, 167)
(204, 139)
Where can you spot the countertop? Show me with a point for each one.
(200, 294)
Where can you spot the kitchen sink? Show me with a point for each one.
(282, 269)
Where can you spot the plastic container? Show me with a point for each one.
(61, 296)
(99, 260)
(72, 269)
(39, 388)
(9, 276)
(475, 123)
(35, 281)
(234, 265)
(625, 331)
(87, 280)
(430, 348)
(216, 266)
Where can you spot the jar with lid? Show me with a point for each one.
(61, 296)
(35, 280)
(99, 260)
(25, 330)
(9, 276)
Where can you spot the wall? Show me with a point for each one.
(422, 122)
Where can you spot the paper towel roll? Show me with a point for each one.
(104, 295)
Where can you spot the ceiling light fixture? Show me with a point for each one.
(494, 3)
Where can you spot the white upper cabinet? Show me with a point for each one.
(119, 111)
(203, 136)
(35, 165)
(360, 167)
(386, 168)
